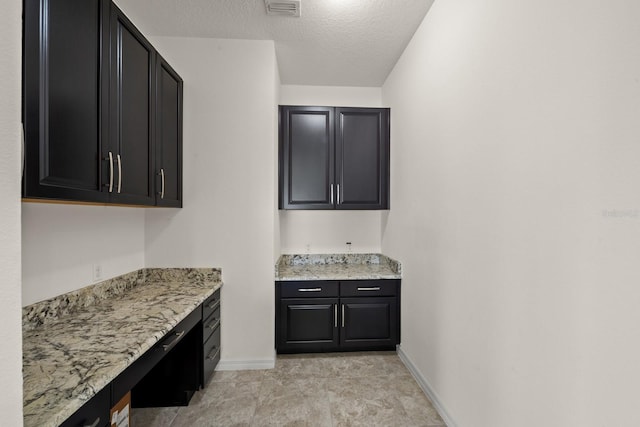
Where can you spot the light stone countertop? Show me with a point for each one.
(337, 267)
(68, 359)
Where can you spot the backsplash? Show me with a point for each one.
(45, 311)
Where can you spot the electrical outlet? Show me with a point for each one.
(97, 272)
(308, 247)
(348, 246)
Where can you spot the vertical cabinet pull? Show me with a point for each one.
(119, 173)
(162, 181)
(338, 194)
(343, 315)
(331, 193)
(335, 315)
(110, 171)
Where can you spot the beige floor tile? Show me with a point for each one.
(325, 389)
(153, 417)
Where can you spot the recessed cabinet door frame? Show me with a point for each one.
(65, 99)
(362, 158)
(307, 324)
(307, 162)
(169, 88)
(368, 322)
(132, 113)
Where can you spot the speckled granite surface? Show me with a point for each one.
(337, 267)
(73, 354)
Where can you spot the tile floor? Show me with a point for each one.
(336, 389)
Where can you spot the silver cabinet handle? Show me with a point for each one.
(217, 350)
(22, 142)
(335, 315)
(119, 173)
(310, 289)
(343, 315)
(169, 346)
(338, 194)
(110, 172)
(93, 424)
(162, 179)
(373, 288)
(331, 193)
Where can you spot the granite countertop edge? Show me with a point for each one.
(56, 413)
(349, 266)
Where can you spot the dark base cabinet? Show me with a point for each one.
(210, 336)
(324, 316)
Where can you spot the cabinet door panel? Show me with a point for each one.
(369, 322)
(309, 324)
(168, 135)
(362, 147)
(307, 157)
(65, 93)
(131, 112)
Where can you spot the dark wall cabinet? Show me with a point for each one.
(317, 316)
(334, 158)
(94, 100)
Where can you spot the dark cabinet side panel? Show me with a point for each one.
(65, 98)
(307, 157)
(362, 157)
(132, 74)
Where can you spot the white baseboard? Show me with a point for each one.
(426, 387)
(246, 365)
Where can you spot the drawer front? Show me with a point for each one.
(95, 409)
(308, 289)
(210, 304)
(369, 288)
(211, 354)
(210, 324)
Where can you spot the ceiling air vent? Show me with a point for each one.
(283, 7)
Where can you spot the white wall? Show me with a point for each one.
(229, 185)
(10, 258)
(62, 243)
(516, 209)
(328, 231)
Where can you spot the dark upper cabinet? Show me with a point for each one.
(131, 113)
(90, 101)
(334, 158)
(307, 147)
(64, 98)
(168, 167)
(362, 158)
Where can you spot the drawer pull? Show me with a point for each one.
(215, 350)
(214, 324)
(373, 288)
(212, 304)
(170, 345)
(93, 424)
(310, 289)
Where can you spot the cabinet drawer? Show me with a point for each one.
(210, 304)
(95, 409)
(211, 353)
(210, 324)
(369, 288)
(308, 289)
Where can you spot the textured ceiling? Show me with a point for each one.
(333, 43)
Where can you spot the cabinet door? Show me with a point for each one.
(132, 74)
(65, 90)
(362, 158)
(306, 158)
(369, 323)
(307, 324)
(168, 135)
